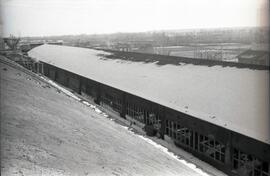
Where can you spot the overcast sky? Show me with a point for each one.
(58, 17)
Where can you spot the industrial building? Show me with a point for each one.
(217, 111)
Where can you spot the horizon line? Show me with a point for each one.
(130, 32)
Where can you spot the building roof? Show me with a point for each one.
(230, 97)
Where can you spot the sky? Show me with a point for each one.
(65, 17)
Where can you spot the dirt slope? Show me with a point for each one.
(44, 132)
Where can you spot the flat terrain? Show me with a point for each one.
(45, 132)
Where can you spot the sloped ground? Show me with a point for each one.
(45, 132)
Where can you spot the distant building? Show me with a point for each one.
(55, 43)
(121, 47)
(134, 46)
(254, 57)
(144, 48)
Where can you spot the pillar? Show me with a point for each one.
(124, 105)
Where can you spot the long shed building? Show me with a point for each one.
(218, 112)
